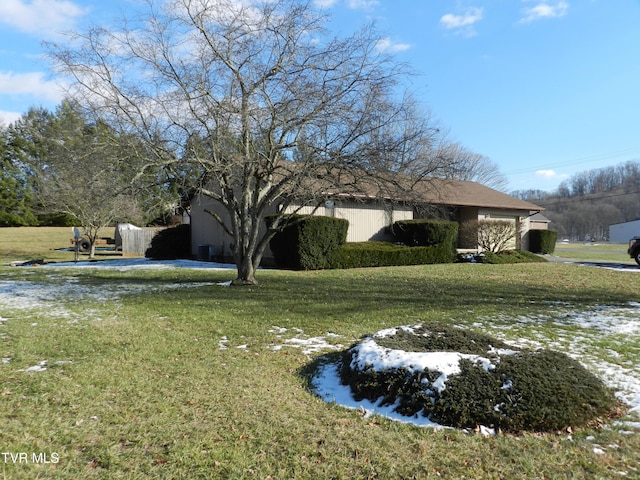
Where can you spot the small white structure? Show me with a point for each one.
(623, 232)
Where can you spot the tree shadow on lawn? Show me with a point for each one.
(357, 293)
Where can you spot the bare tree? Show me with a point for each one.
(78, 168)
(463, 164)
(494, 236)
(255, 104)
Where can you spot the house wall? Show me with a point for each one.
(205, 230)
(367, 222)
(520, 222)
(464, 216)
(623, 232)
(533, 225)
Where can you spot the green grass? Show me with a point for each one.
(138, 387)
(41, 243)
(614, 252)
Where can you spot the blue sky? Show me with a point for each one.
(544, 88)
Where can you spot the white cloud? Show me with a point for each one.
(364, 4)
(9, 117)
(325, 3)
(386, 45)
(545, 10)
(44, 18)
(32, 84)
(551, 174)
(546, 173)
(468, 18)
(352, 4)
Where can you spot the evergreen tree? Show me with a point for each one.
(15, 198)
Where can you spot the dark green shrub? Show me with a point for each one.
(508, 256)
(440, 337)
(543, 241)
(519, 390)
(171, 243)
(307, 241)
(380, 254)
(57, 220)
(426, 233)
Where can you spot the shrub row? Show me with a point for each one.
(543, 241)
(425, 233)
(381, 254)
(317, 242)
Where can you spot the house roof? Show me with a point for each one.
(437, 191)
(538, 217)
(460, 193)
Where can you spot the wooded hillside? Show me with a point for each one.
(583, 207)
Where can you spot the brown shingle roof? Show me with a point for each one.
(459, 193)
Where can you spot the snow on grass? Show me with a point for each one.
(308, 345)
(40, 367)
(605, 339)
(126, 264)
(25, 295)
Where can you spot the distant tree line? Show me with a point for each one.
(583, 207)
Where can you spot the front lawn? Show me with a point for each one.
(168, 373)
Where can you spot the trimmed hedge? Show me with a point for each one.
(543, 241)
(426, 233)
(171, 243)
(317, 242)
(381, 254)
(307, 242)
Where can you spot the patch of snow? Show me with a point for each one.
(308, 345)
(143, 263)
(368, 354)
(326, 383)
(26, 296)
(40, 367)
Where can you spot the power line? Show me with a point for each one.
(590, 158)
(582, 198)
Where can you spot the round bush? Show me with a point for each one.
(463, 379)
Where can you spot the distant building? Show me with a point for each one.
(622, 232)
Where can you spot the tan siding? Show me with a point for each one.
(208, 231)
(366, 221)
(369, 222)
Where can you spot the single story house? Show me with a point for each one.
(370, 216)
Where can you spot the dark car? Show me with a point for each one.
(634, 249)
